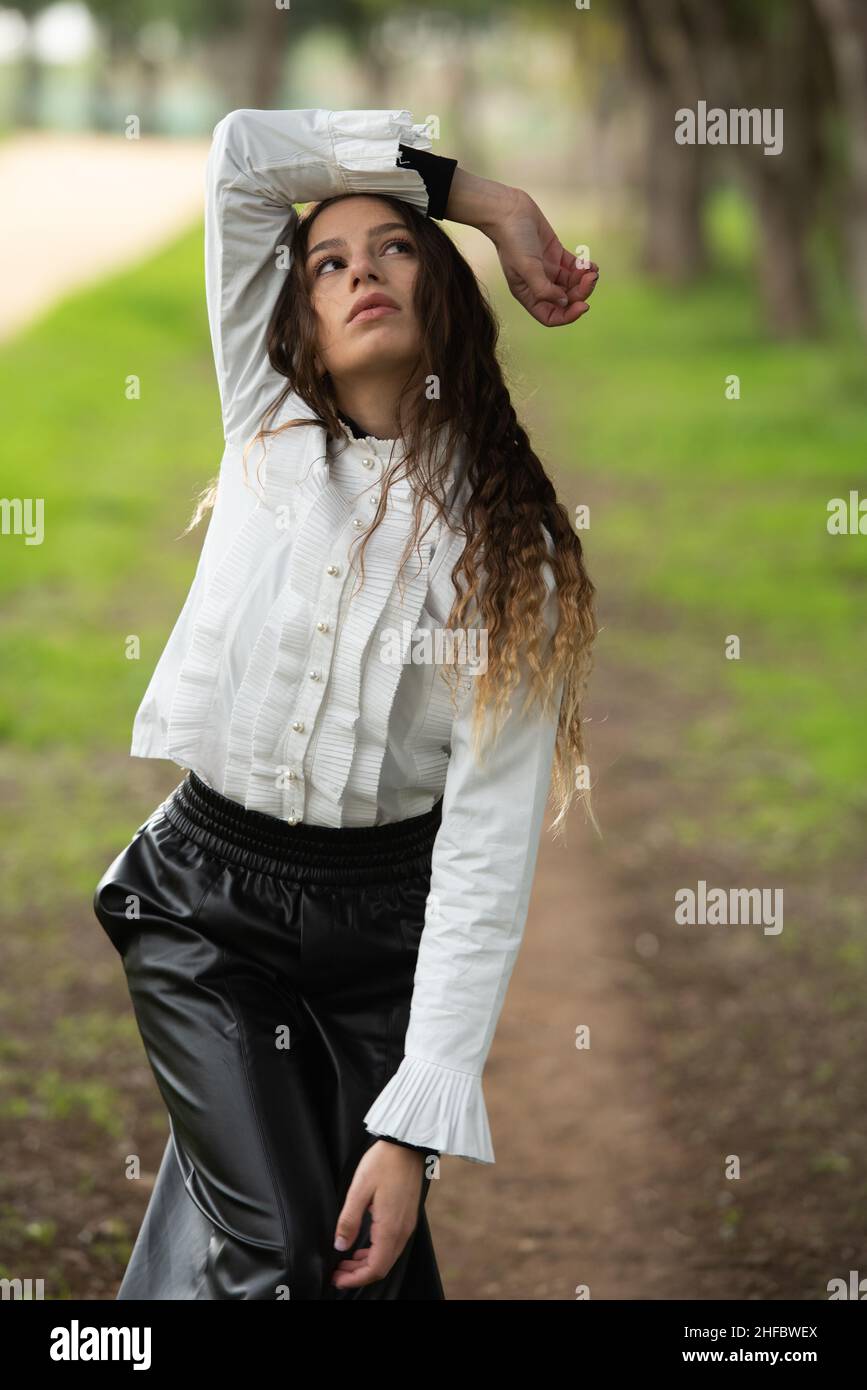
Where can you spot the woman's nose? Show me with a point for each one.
(363, 270)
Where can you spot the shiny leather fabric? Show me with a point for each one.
(273, 1010)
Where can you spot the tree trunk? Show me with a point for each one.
(755, 59)
(785, 278)
(26, 111)
(264, 44)
(674, 247)
(845, 24)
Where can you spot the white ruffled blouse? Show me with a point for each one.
(272, 686)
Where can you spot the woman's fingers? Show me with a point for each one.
(352, 1262)
(388, 1184)
(571, 280)
(586, 284)
(577, 295)
(580, 277)
(556, 315)
(371, 1263)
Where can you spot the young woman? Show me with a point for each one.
(319, 924)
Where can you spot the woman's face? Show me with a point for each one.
(359, 248)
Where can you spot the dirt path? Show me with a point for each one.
(84, 205)
(585, 1183)
(613, 1165)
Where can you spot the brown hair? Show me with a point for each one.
(510, 498)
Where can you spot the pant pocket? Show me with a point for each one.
(110, 901)
(116, 901)
(114, 898)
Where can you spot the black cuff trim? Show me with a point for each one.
(419, 1148)
(437, 171)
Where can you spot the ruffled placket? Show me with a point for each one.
(322, 632)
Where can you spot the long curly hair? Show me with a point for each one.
(455, 393)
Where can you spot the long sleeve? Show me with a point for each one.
(484, 859)
(259, 165)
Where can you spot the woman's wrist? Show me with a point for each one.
(482, 203)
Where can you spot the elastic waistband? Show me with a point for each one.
(309, 853)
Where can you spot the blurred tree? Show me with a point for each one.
(121, 28)
(27, 101)
(774, 56)
(845, 24)
(397, 28)
(734, 54)
(663, 49)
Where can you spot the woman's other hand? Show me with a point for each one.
(388, 1180)
(540, 272)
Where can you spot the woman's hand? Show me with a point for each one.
(387, 1180)
(540, 272)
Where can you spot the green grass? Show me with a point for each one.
(117, 477)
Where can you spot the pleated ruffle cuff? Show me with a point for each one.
(427, 1104)
(366, 149)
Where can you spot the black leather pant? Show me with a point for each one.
(271, 969)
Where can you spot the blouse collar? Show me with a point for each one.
(354, 435)
(354, 431)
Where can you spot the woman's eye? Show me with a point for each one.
(335, 260)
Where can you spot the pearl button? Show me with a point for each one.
(292, 775)
(315, 675)
(368, 463)
(374, 499)
(358, 523)
(323, 627)
(333, 569)
(293, 819)
(298, 726)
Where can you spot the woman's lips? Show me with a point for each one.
(376, 312)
